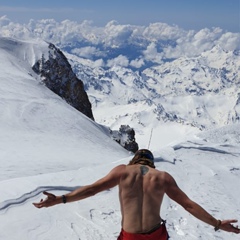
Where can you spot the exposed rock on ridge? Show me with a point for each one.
(125, 137)
(58, 76)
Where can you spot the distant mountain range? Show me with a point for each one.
(201, 91)
(160, 71)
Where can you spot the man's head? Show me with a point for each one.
(144, 157)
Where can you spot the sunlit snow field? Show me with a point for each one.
(47, 145)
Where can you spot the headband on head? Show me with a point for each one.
(143, 153)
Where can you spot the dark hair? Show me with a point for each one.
(144, 157)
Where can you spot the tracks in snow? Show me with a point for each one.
(18, 201)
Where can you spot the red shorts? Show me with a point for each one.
(158, 234)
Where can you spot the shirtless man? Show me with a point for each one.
(141, 191)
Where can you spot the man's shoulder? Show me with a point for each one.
(119, 167)
(163, 174)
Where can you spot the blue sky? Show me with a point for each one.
(188, 14)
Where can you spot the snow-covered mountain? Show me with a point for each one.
(144, 76)
(185, 90)
(200, 92)
(187, 77)
(45, 144)
(172, 75)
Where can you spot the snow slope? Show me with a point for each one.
(33, 120)
(47, 145)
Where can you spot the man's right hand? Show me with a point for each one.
(51, 200)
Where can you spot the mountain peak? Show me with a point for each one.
(56, 72)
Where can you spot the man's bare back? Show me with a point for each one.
(141, 191)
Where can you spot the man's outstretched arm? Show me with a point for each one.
(107, 182)
(176, 194)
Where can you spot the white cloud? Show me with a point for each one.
(173, 41)
(98, 63)
(86, 52)
(151, 53)
(162, 31)
(118, 61)
(194, 43)
(116, 34)
(230, 41)
(137, 63)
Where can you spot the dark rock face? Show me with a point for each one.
(126, 138)
(58, 76)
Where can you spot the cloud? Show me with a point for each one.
(195, 43)
(137, 63)
(98, 63)
(148, 43)
(86, 52)
(118, 61)
(151, 53)
(162, 31)
(117, 35)
(230, 41)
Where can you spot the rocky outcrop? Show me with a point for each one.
(126, 138)
(57, 74)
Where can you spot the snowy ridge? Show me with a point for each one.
(26, 51)
(33, 117)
